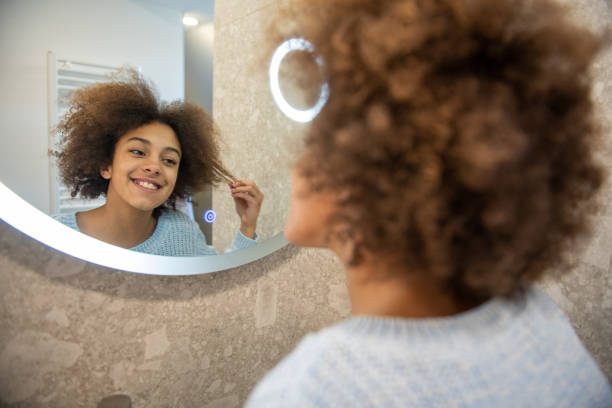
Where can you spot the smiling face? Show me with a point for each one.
(145, 167)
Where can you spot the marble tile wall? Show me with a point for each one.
(259, 142)
(586, 294)
(72, 333)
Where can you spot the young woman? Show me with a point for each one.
(452, 167)
(118, 140)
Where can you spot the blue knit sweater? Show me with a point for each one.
(175, 235)
(501, 354)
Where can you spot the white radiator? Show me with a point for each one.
(64, 76)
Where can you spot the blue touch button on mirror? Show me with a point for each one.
(210, 216)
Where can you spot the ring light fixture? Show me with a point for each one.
(306, 115)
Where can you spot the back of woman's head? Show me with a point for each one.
(458, 135)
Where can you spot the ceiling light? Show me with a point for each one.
(190, 21)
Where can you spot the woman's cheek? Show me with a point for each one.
(307, 224)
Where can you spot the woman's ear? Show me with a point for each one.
(106, 173)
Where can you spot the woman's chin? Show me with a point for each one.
(290, 236)
(304, 237)
(295, 236)
(146, 207)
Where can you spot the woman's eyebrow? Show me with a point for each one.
(173, 150)
(145, 141)
(139, 139)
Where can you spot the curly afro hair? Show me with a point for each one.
(458, 137)
(97, 117)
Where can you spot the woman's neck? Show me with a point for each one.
(382, 289)
(123, 226)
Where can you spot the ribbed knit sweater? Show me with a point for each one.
(175, 235)
(500, 354)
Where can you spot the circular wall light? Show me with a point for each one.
(299, 115)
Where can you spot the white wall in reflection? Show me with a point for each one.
(113, 32)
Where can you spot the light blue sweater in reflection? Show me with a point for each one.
(501, 354)
(175, 235)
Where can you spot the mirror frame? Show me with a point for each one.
(26, 218)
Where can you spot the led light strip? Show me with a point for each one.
(294, 44)
(20, 214)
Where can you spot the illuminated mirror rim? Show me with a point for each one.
(26, 218)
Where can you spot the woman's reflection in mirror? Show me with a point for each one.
(453, 166)
(120, 141)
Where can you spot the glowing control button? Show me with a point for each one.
(210, 216)
(294, 44)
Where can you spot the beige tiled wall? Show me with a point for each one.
(72, 333)
(259, 141)
(586, 294)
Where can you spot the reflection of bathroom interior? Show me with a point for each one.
(145, 35)
(74, 333)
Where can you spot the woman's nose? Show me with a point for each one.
(151, 167)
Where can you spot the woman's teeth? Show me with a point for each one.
(148, 185)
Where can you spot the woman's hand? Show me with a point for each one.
(247, 199)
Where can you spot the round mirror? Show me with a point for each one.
(58, 46)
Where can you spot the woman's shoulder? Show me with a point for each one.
(176, 234)
(176, 222)
(68, 219)
(418, 350)
(174, 216)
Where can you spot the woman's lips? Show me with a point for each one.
(146, 185)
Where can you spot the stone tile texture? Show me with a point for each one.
(71, 340)
(72, 333)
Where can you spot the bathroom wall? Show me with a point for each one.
(586, 294)
(259, 142)
(72, 333)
